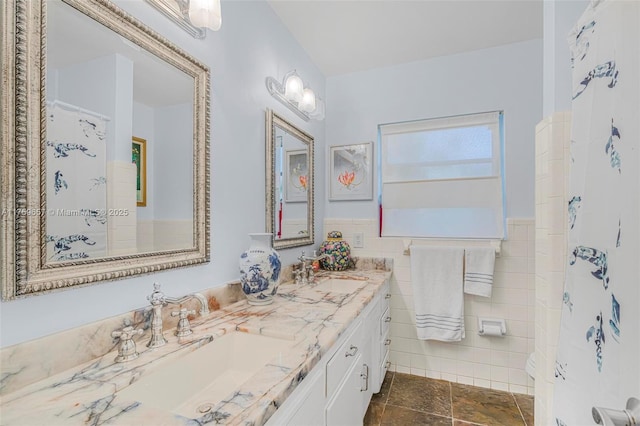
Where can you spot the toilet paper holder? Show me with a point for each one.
(492, 327)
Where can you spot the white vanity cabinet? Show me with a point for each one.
(338, 389)
(346, 390)
(307, 406)
(383, 340)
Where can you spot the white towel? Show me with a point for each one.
(478, 275)
(436, 277)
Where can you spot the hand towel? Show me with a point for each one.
(436, 278)
(478, 276)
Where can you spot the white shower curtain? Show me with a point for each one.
(76, 184)
(597, 359)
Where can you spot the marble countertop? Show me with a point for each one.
(312, 319)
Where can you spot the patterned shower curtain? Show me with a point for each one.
(599, 332)
(76, 185)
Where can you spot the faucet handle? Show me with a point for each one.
(183, 313)
(184, 326)
(157, 297)
(127, 349)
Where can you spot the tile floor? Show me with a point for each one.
(411, 400)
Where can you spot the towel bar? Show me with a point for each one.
(496, 244)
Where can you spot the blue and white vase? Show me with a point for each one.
(260, 270)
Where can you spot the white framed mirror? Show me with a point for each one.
(289, 183)
(105, 168)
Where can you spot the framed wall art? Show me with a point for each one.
(296, 176)
(139, 158)
(351, 172)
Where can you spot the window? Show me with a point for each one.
(443, 177)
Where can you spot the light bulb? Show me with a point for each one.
(308, 102)
(293, 88)
(205, 13)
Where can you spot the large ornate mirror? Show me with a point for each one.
(289, 183)
(105, 147)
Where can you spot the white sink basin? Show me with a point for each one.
(337, 285)
(199, 380)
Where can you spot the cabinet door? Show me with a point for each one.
(345, 407)
(367, 371)
(310, 411)
(305, 406)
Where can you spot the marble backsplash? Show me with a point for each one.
(360, 263)
(32, 361)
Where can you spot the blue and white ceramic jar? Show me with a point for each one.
(260, 270)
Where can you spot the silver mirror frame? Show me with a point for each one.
(23, 112)
(273, 120)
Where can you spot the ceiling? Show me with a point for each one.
(156, 83)
(344, 36)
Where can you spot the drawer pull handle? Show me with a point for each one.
(353, 350)
(387, 364)
(387, 296)
(387, 319)
(387, 342)
(365, 377)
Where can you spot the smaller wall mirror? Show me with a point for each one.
(290, 176)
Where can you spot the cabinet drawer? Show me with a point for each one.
(384, 367)
(385, 345)
(344, 358)
(385, 320)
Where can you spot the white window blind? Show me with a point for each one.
(443, 177)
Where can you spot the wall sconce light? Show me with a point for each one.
(193, 16)
(299, 99)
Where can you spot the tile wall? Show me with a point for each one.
(553, 135)
(164, 234)
(121, 196)
(490, 362)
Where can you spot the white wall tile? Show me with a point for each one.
(449, 377)
(403, 369)
(465, 380)
(432, 374)
(482, 383)
(464, 368)
(517, 389)
(550, 260)
(501, 386)
(418, 372)
(499, 374)
(471, 360)
(517, 376)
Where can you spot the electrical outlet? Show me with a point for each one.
(358, 239)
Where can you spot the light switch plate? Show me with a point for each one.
(358, 239)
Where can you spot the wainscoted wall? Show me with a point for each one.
(294, 227)
(553, 136)
(121, 207)
(164, 234)
(490, 362)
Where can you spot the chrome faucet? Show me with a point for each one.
(158, 300)
(304, 274)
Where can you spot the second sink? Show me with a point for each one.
(339, 285)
